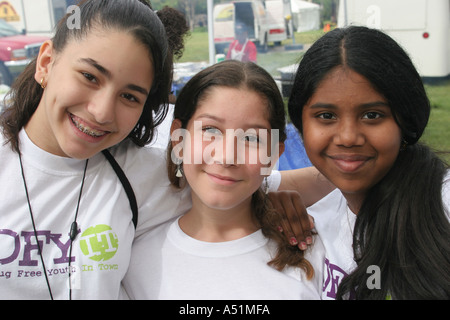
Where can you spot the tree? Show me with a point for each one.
(329, 9)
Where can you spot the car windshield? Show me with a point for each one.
(7, 30)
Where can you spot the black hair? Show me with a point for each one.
(133, 16)
(402, 225)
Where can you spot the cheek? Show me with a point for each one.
(127, 119)
(188, 171)
(388, 145)
(257, 174)
(195, 149)
(314, 139)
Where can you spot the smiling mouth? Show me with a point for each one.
(85, 128)
(222, 180)
(349, 163)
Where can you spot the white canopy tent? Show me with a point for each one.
(305, 15)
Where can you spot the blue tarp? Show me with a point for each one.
(294, 156)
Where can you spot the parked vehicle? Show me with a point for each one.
(278, 14)
(263, 26)
(16, 51)
(422, 27)
(34, 16)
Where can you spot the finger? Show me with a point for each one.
(296, 234)
(296, 223)
(287, 231)
(302, 230)
(281, 204)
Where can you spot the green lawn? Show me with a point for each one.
(437, 134)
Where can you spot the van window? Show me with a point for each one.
(7, 30)
(225, 14)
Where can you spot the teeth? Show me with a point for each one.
(92, 132)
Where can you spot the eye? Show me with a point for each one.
(372, 115)
(211, 130)
(326, 116)
(89, 76)
(130, 97)
(251, 138)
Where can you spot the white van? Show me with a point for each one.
(34, 16)
(422, 27)
(262, 27)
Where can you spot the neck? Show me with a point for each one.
(42, 138)
(218, 225)
(354, 201)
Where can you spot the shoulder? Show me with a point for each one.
(251, 44)
(152, 239)
(329, 213)
(328, 205)
(146, 170)
(234, 43)
(141, 165)
(127, 154)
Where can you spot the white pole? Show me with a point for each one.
(212, 50)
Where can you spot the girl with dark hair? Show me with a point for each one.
(66, 224)
(361, 108)
(226, 246)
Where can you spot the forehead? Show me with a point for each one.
(117, 51)
(344, 85)
(234, 104)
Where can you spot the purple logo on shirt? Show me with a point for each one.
(333, 278)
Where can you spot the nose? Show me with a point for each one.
(102, 107)
(349, 134)
(226, 150)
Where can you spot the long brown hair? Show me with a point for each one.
(235, 74)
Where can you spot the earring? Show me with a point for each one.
(179, 170)
(403, 145)
(266, 186)
(42, 84)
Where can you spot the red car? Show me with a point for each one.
(16, 51)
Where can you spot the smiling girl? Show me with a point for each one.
(66, 224)
(226, 246)
(361, 108)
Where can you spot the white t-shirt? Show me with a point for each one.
(334, 223)
(162, 132)
(102, 249)
(168, 264)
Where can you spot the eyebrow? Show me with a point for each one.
(220, 120)
(368, 105)
(108, 74)
(97, 66)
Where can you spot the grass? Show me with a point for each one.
(437, 133)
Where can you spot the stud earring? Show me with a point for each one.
(42, 84)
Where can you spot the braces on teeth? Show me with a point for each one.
(85, 130)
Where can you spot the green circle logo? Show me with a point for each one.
(99, 243)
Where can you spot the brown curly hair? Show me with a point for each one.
(176, 29)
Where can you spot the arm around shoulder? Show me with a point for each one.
(309, 182)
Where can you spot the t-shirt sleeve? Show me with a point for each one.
(274, 180)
